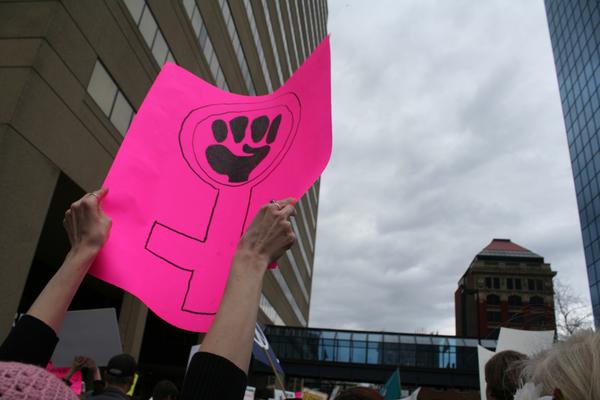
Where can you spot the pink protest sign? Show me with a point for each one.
(196, 165)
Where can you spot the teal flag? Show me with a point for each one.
(392, 390)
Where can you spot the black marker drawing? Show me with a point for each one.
(232, 148)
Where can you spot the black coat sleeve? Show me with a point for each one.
(31, 341)
(211, 377)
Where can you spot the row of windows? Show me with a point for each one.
(237, 46)
(261, 54)
(111, 100)
(360, 352)
(302, 48)
(270, 311)
(292, 260)
(421, 357)
(303, 216)
(205, 43)
(310, 200)
(146, 23)
(514, 300)
(514, 283)
(283, 37)
(516, 318)
(300, 244)
(272, 40)
(291, 29)
(312, 336)
(288, 295)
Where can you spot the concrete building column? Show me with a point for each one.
(132, 321)
(27, 182)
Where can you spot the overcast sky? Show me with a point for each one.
(448, 132)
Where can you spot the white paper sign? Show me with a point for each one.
(250, 391)
(90, 333)
(483, 355)
(526, 342)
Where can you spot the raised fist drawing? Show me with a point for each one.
(238, 159)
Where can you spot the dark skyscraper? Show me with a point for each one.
(575, 34)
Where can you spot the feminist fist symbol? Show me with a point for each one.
(233, 158)
(237, 168)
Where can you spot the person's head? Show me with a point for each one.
(359, 393)
(503, 374)
(24, 381)
(120, 371)
(165, 390)
(572, 366)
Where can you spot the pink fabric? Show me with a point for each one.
(195, 166)
(28, 382)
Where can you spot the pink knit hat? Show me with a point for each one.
(24, 382)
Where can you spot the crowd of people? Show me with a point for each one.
(570, 370)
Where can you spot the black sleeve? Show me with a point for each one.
(210, 376)
(31, 341)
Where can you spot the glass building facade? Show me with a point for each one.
(575, 34)
(375, 348)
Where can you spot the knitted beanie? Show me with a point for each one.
(23, 382)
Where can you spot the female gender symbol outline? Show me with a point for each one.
(216, 146)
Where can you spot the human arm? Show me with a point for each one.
(34, 336)
(76, 365)
(227, 346)
(87, 227)
(90, 364)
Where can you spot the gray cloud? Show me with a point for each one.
(448, 132)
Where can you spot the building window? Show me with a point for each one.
(530, 284)
(269, 310)
(259, 48)
(509, 283)
(237, 46)
(272, 39)
(539, 286)
(146, 23)
(515, 301)
(105, 92)
(298, 20)
(493, 299)
(537, 319)
(536, 301)
(493, 316)
(488, 282)
(205, 43)
(292, 35)
(496, 283)
(283, 37)
(518, 284)
(515, 317)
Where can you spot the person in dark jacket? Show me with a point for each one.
(118, 378)
(165, 390)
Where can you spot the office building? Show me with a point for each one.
(506, 285)
(575, 35)
(73, 73)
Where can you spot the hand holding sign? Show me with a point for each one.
(195, 166)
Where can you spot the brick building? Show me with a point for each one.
(506, 285)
